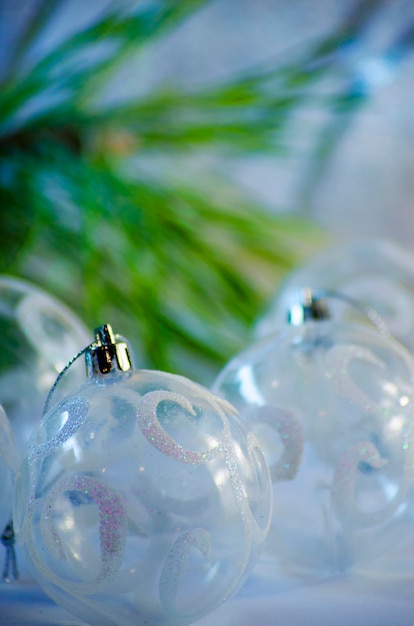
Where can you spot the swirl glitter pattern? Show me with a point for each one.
(175, 563)
(76, 410)
(121, 515)
(158, 437)
(365, 456)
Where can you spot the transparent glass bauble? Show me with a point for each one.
(142, 500)
(38, 336)
(8, 460)
(331, 404)
(373, 272)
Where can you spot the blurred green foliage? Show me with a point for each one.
(174, 256)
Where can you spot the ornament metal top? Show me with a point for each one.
(142, 499)
(332, 404)
(376, 272)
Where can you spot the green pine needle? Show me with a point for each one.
(182, 265)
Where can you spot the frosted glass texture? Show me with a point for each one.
(332, 405)
(8, 460)
(39, 336)
(142, 500)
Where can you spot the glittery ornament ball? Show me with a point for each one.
(142, 500)
(39, 335)
(332, 405)
(8, 459)
(374, 272)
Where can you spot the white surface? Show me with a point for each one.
(338, 602)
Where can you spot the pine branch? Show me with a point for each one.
(181, 264)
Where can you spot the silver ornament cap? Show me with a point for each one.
(109, 353)
(309, 307)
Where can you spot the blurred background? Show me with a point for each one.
(164, 164)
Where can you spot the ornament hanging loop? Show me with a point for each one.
(60, 376)
(109, 353)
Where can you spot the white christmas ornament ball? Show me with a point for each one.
(8, 460)
(331, 404)
(373, 272)
(39, 335)
(142, 500)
